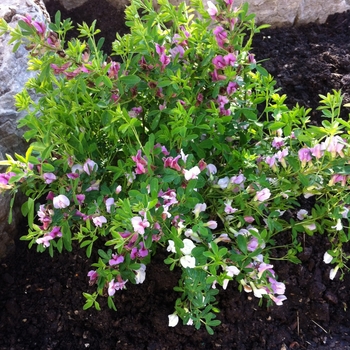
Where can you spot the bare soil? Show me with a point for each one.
(41, 297)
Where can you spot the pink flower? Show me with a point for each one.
(219, 62)
(212, 224)
(56, 232)
(220, 35)
(116, 259)
(60, 202)
(317, 151)
(99, 220)
(192, 173)
(93, 275)
(230, 59)
(80, 198)
(302, 214)
(61, 69)
(90, 166)
(5, 177)
(141, 163)
(338, 178)
(114, 70)
(249, 219)
(334, 145)
(44, 240)
(171, 162)
(212, 10)
(139, 224)
(49, 177)
(278, 142)
(262, 195)
(228, 208)
(231, 88)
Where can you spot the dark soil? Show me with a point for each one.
(41, 297)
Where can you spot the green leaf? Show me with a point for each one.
(130, 80)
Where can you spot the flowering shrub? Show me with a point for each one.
(183, 143)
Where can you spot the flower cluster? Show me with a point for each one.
(183, 145)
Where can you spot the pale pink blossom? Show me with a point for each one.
(139, 224)
(49, 177)
(60, 202)
(89, 166)
(99, 220)
(262, 195)
(199, 207)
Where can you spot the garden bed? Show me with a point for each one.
(41, 298)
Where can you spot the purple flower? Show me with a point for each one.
(304, 156)
(49, 177)
(230, 59)
(220, 35)
(231, 88)
(116, 259)
(219, 62)
(109, 202)
(56, 232)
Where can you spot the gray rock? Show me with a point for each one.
(13, 75)
(275, 12)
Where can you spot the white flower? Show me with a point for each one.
(258, 292)
(140, 274)
(327, 258)
(193, 235)
(60, 202)
(173, 320)
(333, 272)
(230, 271)
(192, 173)
(188, 246)
(171, 246)
(338, 226)
(188, 261)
